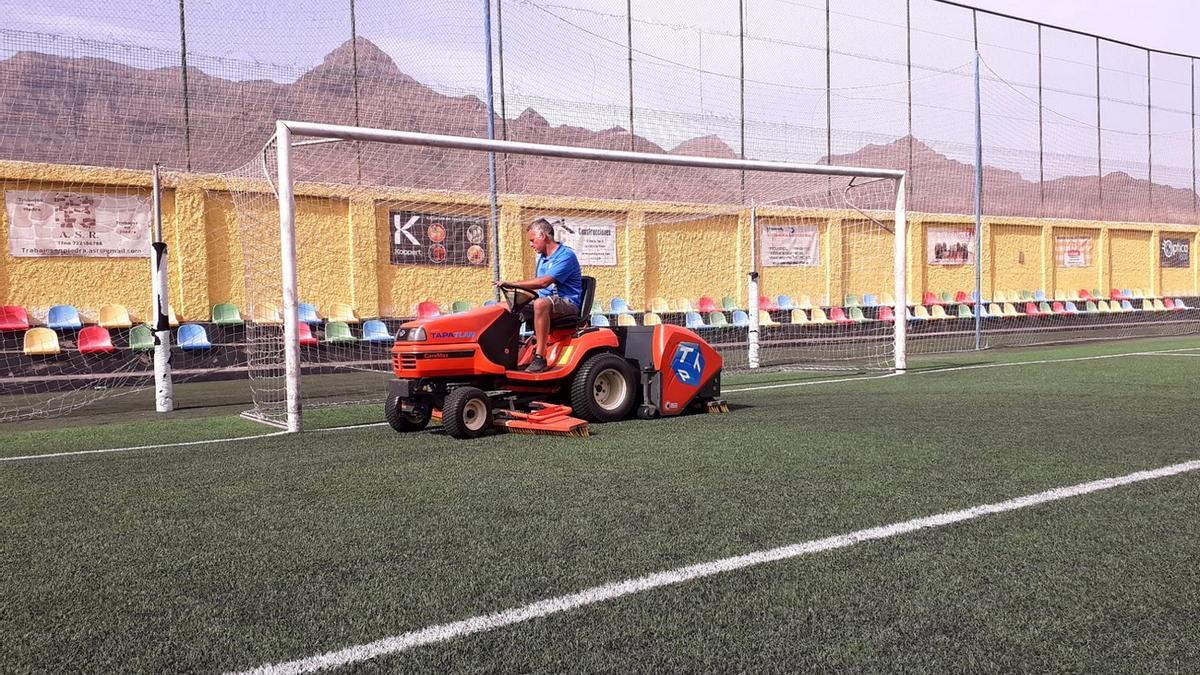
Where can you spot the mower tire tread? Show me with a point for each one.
(583, 401)
(402, 421)
(462, 415)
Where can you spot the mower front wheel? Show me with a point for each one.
(403, 420)
(467, 412)
(604, 389)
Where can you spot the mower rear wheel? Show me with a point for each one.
(604, 389)
(467, 412)
(402, 420)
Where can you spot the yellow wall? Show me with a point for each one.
(663, 250)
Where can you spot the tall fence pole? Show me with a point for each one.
(164, 390)
(183, 74)
(978, 210)
(491, 132)
(1041, 132)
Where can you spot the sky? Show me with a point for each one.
(568, 60)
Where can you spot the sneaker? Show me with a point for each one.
(537, 365)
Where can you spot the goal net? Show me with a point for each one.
(347, 232)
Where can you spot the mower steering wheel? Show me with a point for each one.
(516, 297)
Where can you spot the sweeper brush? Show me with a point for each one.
(548, 419)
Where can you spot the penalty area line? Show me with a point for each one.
(618, 589)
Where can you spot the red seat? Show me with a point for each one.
(962, 298)
(1031, 309)
(930, 298)
(13, 318)
(886, 314)
(1058, 308)
(95, 340)
(306, 337)
(1115, 294)
(838, 315)
(706, 304)
(1169, 303)
(766, 303)
(1085, 294)
(428, 310)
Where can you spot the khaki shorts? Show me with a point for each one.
(559, 306)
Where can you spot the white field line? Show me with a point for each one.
(1166, 354)
(140, 447)
(618, 589)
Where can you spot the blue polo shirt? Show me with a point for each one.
(564, 267)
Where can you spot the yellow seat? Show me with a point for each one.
(1159, 306)
(1147, 306)
(798, 316)
(648, 319)
(1060, 294)
(764, 318)
(1139, 293)
(115, 316)
(887, 300)
(1010, 310)
(1000, 297)
(41, 342)
(1102, 306)
(805, 302)
(818, 316)
(994, 310)
(659, 305)
(922, 312)
(626, 320)
(938, 312)
(266, 313)
(340, 311)
(683, 305)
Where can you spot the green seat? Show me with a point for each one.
(856, 315)
(946, 298)
(717, 319)
(460, 306)
(1026, 295)
(851, 300)
(1044, 308)
(965, 312)
(338, 333)
(141, 339)
(728, 304)
(1091, 307)
(226, 314)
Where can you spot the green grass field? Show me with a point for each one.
(229, 556)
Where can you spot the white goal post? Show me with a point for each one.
(287, 131)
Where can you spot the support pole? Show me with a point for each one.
(978, 211)
(491, 134)
(752, 338)
(287, 253)
(900, 271)
(164, 390)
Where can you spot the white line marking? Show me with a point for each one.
(1166, 354)
(364, 425)
(808, 382)
(618, 589)
(141, 447)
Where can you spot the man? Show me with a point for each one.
(559, 285)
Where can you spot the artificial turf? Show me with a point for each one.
(217, 557)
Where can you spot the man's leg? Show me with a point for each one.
(541, 324)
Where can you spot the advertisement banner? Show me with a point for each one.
(1073, 251)
(1175, 250)
(593, 238)
(950, 245)
(432, 239)
(71, 224)
(789, 246)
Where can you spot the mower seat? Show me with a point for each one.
(585, 309)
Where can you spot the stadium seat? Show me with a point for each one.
(226, 314)
(1127, 294)
(706, 305)
(1169, 303)
(41, 342)
(1085, 295)
(1010, 310)
(945, 298)
(856, 315)
(1147, 306)
(886, 313)
(114, 316)
(1103, 307)
(1096, 294)
(1044, 308)
(799, 317)
(460, 306)
(805, 302)
(95, 340)
(428, 309)
(1039, 295)
(659, 305)
(740, 318)
(764, 318)
(375, 330)
(818, 316)
(1026, 296)
(141, 339)
(1179, 304)
(13, 318)
(1057, 308)
(1159, 305)
(305, 335)
(192, 336)
(1071, 308)
(626, 320)
(921, 313)
(599, 320)
(869, 300)
(1126, 306)
(767, 303)
(651, 319)
(961, 297)
(717, 318)
(308, 313)
(964, 312)
(618, 306)
(938, 312)
(838, 315)
(1031, 309)
(1114, 294)
(683, 305)
(340, 311)
(1090, 307)
(63, 317)
(1000, 297)
(850, 300)
(784, 302)
(338, 333)
(1060, 294)
(994, 311)
(728, 304)
(929, 298)
(693, 320)
(1137, 293)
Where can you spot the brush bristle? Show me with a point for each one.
(578, 432)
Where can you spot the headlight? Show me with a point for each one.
(415, 335)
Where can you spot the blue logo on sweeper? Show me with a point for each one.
(688, 363)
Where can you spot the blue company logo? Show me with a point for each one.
(688, 363)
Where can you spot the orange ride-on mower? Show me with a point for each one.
(466, 369)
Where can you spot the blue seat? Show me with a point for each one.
(1126, 306)
(377, 331)
(869, 300)
(619, 306)
(1039, 295)
(1179, 304)
(63, 317)
(599, 320)
(693, 320)
(488, 303)
(192, 336)
(1071, 308)
(740, 318)
(308, 313)
(1126, 293)
(784, 302)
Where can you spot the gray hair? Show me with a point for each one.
(543, 226)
